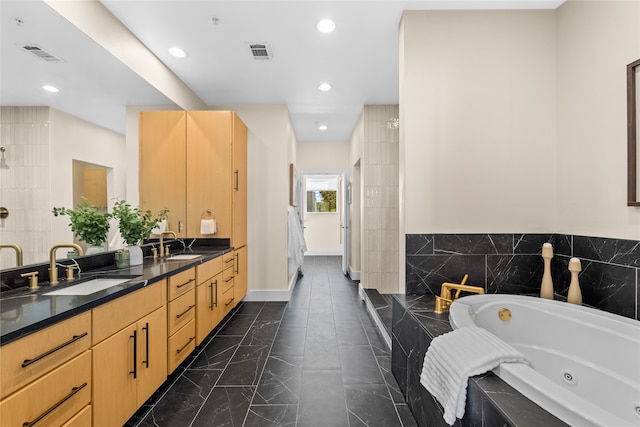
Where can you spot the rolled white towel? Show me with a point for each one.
(454, 357)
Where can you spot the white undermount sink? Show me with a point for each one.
(89, 287)
(182, 257)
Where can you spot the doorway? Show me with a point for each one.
(325, 213)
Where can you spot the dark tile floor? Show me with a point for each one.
(317, 360)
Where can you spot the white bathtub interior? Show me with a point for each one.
(585, 361)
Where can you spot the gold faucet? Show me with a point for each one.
(53, 268)
(18, 250)
(446, 299)
(162, 252)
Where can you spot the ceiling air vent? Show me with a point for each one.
(260, 51)
(40, 53)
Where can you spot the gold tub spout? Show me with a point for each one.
(18, 250)
(53, 268)
(162, 250)
(446, 299)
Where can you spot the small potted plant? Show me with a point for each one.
(135, 225)
(90, 223)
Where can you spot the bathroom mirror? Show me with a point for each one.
(633, 132)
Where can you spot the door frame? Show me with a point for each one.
(344, 207)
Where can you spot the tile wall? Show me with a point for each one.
(380, 203)
(25, 188)
(511, 263)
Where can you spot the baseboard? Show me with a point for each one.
(323, 252)
(283, 295)
(355, 275)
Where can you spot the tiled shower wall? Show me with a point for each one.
(24, 183)
(512, 263)
(380, 206)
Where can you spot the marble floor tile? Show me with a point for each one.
(316, 361)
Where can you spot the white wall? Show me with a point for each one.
(477, 108)
(595, 41)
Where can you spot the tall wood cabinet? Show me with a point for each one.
(163, 163)
(195, 164)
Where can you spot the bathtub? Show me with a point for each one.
(585, 363)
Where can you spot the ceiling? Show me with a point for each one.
(359, 59)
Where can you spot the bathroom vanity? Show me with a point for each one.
(73, 358)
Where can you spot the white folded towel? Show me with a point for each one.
(454, 357)
(208, 226)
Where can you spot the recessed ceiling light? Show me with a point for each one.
(177, 52)
(326, 26)
(324, 87)
(323, 127)
(50, 88)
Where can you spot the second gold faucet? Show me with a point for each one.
(446, 299)
(164, 252)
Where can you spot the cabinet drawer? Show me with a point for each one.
(181, 283)
(81, 419)
(227, 281)
(209, 269)
(227, 300)
(181, 311)
(227, 260)
(111, 317)
(30, 357)
(180, 345)
(52, 399)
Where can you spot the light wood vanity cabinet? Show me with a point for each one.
(240, 264)
(52, 399)
(208, 312)
(225, 291)
(28, 358)
(181, 313)
(129, 362)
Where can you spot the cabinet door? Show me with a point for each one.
(208, 312)
(240, 275)
(152, 350)
(163, 165)
(239, 236)
(209, 174)
(114, 385)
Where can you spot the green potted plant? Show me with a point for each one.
(90, 223)
(135, 225)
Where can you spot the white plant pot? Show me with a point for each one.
(135, 255)
(94, 250)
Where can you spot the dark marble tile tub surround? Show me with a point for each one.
(512, 263)
(317, 360)
(490, 401)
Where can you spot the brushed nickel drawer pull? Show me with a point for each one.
(228, 279)
(74, 390)
(237, 263)
(75, 338)
(184, 312)
(229, 260)
(230, 301)
(185, 346)
(185, 283)
(235, 186)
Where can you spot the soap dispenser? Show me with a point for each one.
(546, 288)
(575, 295)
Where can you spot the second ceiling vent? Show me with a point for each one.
(260, 51)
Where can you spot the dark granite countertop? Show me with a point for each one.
(23, 311)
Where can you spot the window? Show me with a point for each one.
(321, 193)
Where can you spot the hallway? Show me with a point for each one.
(315, 361)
